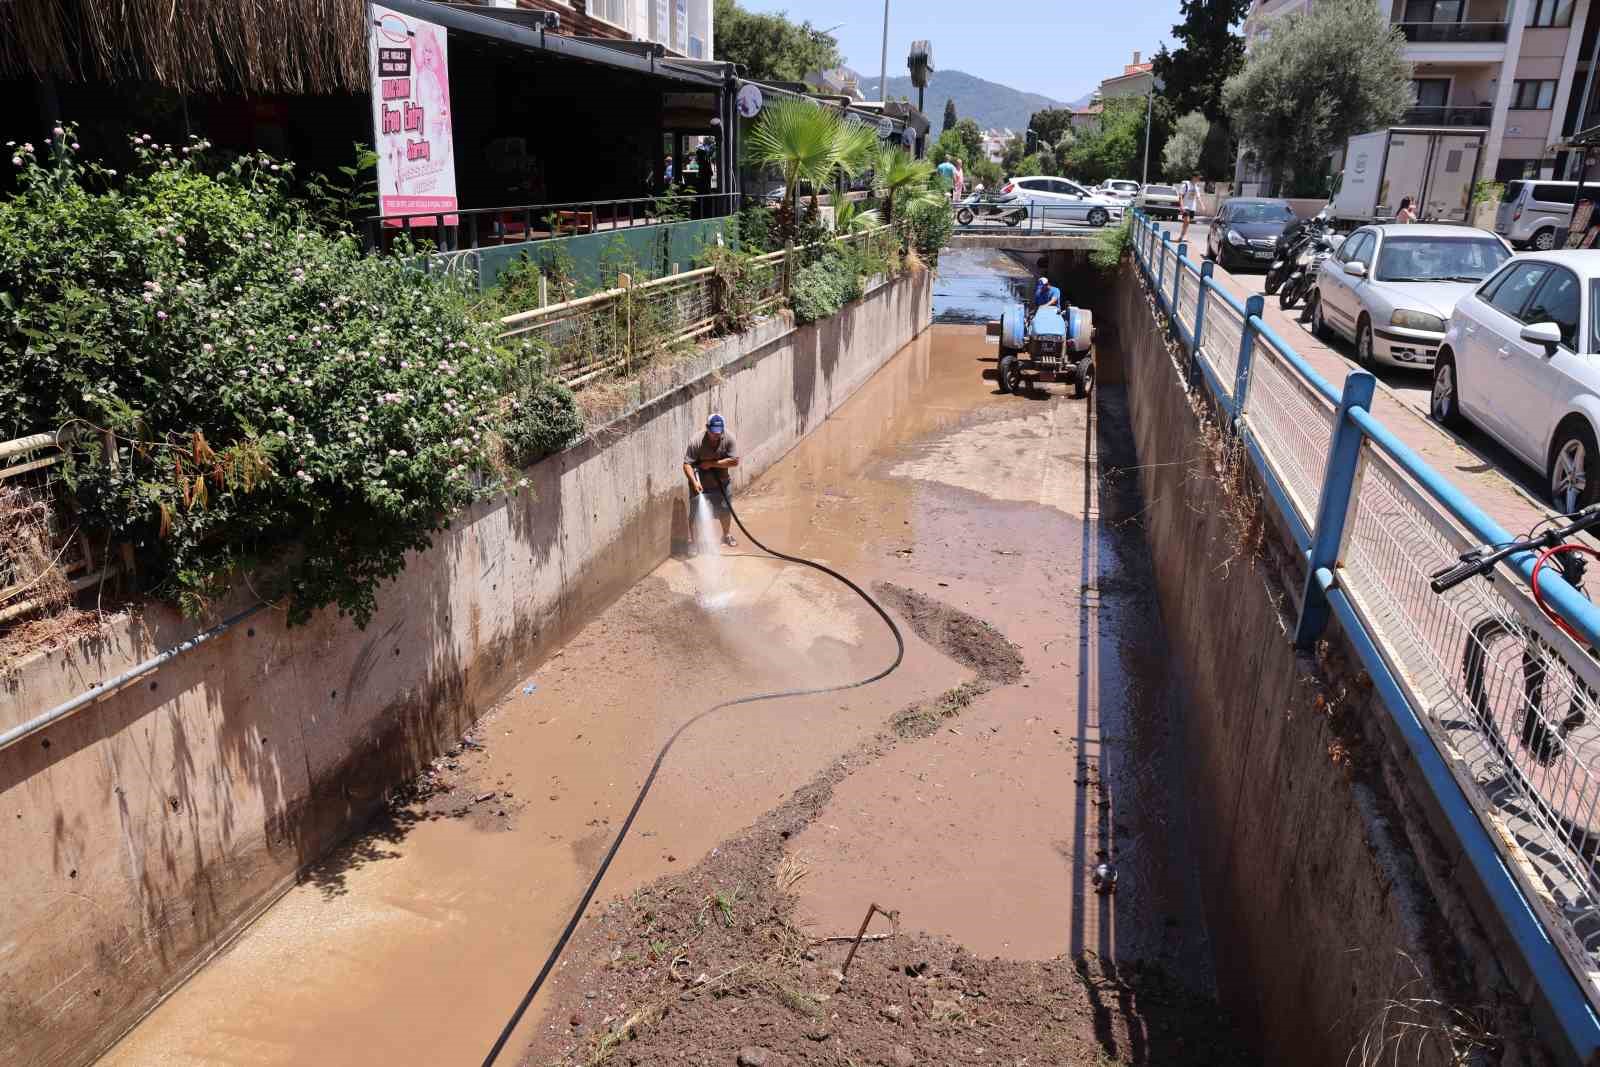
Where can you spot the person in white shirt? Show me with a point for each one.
(1188, 204)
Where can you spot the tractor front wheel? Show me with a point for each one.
(1011, 379)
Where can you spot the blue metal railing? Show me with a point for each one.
(1382, 519)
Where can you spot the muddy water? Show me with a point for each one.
(413, 944)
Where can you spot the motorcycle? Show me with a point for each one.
(1306, 265)
(1289, 253)
(1006, 209)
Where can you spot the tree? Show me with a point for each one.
(950, 146)
(1051, 123)
(1208, 53)
(1181, 157)
(771, 47)
(971, 137)
(1321, 76)
(1116, 148)
(900, 181)
(808, 143)
(949, 114)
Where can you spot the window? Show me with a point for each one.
(1438, 259)
(1512, 289)
(1357, 248)
(1559, 300)
(1509, 194)
(1549, 12)
(1533, 95)
(1434, 10)
(612, 11)
(1035, 185)
(1259, 211)
(1430, 92)
(1512, 169)
(1551, 193)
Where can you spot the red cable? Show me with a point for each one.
(1538, 598)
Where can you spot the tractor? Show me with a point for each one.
(1052, 344)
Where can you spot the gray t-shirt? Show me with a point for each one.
(702, 450)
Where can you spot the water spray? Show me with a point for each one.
(655, 768)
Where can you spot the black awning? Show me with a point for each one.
(457, 19)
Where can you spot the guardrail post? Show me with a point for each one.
(1206, 267)
(1177, 288)
(1253, 306)
(1161, 265)
(1334, 506)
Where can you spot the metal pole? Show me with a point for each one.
(883, 59)
(1149, 109)
(1337, 500)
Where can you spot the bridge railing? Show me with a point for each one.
(1497, 705)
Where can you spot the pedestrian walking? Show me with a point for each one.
(1406, 213)
(706, 464)
(1188, 204)
(961, 181)
(947, 173)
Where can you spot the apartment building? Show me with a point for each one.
(1135, 80)
(682, 26)
(1519, 70)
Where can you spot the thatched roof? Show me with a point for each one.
(258, 46)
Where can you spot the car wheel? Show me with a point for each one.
(1574, 467)
(1544, 240)
(1098, 217)
(1445, 403)
(1319, 325)
(1013, 218)
(1011, 378)
(964, 216)
(1364, 353)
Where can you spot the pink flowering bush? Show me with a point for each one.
(279, 401)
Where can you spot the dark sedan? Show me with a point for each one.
(1246, 231)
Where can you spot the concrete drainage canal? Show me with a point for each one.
(1017, 800)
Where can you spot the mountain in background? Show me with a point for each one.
(990, 104)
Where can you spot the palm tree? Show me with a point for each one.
(850, 217)
(803, 140)
(900, 180)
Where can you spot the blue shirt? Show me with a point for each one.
(1042, 294)
(947, 170)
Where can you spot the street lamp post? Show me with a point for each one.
(883, 59)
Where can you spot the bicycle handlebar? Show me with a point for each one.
(1483, 559)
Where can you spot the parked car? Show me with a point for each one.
(1391, 288)
(1531, 213)
(1122, 190)
(1061, 200)
(1519, 361)
(1157, 201)
(1246, 231)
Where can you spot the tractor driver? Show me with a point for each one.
(1045, 295)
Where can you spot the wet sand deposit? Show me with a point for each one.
(979, 797)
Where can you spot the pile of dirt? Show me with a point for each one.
(709, 967)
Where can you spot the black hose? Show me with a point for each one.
(649, 780)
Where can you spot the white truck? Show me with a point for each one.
(1436, 167)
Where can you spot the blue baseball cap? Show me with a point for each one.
(715, 424)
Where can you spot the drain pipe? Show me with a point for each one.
(64, 711)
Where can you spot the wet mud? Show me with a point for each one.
(1035, 676)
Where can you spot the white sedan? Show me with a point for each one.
(1521, 360)
(1158, 200)
(1121, 190)
(1391, 289)
(1061, 200)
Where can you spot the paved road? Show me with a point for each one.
(1410, 388)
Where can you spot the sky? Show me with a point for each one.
(1061, 48)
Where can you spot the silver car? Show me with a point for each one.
(1391, 289)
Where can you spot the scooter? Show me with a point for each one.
(1306, 265)
(1289, 254)
(1007, 209)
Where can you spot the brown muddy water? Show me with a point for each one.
(414, 943)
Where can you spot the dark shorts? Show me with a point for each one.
(713, 493)
(1186, 215)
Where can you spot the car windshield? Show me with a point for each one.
(1439, 259)
(1260, 213)
(1161, 190)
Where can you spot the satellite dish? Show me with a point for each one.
(885, 128)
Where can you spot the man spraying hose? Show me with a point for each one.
(706, 464)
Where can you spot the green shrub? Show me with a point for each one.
(820, 289)
(274, 396)
(757, 229)
(1111, 243)
(929, 228)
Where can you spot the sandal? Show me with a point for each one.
(729, 541)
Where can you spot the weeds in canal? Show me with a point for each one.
(1432, 1030)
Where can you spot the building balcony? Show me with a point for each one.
(1474, 116)
(1454, 32)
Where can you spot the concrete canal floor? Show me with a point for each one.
(414, 943)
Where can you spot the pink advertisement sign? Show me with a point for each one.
(411, 117)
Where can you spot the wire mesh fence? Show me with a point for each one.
(1508, 699)
(1187, 305)
(44, 556)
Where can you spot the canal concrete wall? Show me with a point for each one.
(1336, 912)
(141, 834)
